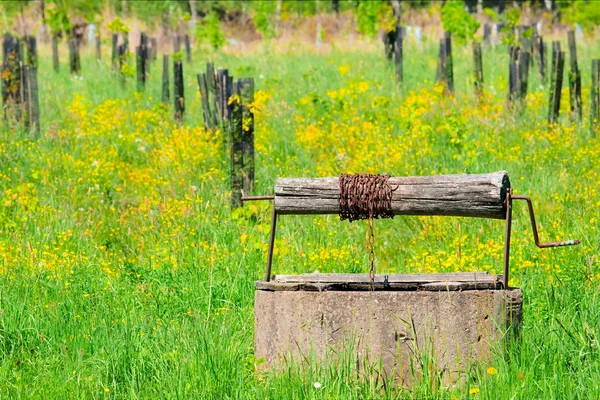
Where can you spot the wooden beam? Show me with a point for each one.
(476, 195)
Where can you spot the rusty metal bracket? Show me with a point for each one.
(507, 233)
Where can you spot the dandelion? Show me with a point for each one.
(492, 371)
(317, 385)
(474, 390)
(106, 390)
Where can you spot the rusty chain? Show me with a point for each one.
(366, 196)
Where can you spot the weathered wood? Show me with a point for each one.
(218, 84)
(478, 68)
(449, 64)
(477, 195)
(125, 36)
(114, 54)
(178, 92)
(74, 59)
(121, 56)
(188, 48)
(98, 48)
(542, 58)
(246, 87)
(154, 48)
(210, 77)
(513, 82)
(595, 98)
(441, 66)
(165, 79)
(31, 46)
(393, 282)
(55, 61)
(574, 80)
(524, 62)
(11, 77)
(398, 48)
(389, 40)
(234, 114)
(204, 99)
(556, 87)
(31, 99)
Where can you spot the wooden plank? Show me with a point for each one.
(475, 195)
(396, 282)
(392, 278)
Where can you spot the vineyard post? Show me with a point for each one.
(478, 68)
(235, 125)
(398, 53)
(114, 55)
(165, 79)
(74, 57)
(524, 61)
(188, 48)
(178, 94)
(98, 48)
(595, 98)
(246, 91)
(55, 61)
(574, 79)
(556, 86)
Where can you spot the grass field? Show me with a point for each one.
(124, 274)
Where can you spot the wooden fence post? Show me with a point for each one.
(142, 62)
(574, 79)
(524, 61)
(513, 82)
(478, 68)
(115, 50)
(74, 60)
(398, 47)
(220, 94)
(121, 52)
(165, 79)
(31, 46)
(556, 86)
(188, 48)
(154, 46)
(542, 58)
(235, 124)
(178, 93)
(203, 86)
(389, 41)
(441, 66)
(98, 48)
(31, 99)
(246, 90)
(449, 64)
(55, 61)
(11, 77)
(595, 98)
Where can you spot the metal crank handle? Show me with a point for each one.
(536, 238)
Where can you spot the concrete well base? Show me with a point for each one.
(453, 328)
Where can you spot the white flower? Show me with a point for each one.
(317, 385)
(95, 163)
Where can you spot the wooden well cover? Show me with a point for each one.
(453, 281)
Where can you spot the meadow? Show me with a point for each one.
(124, 273)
